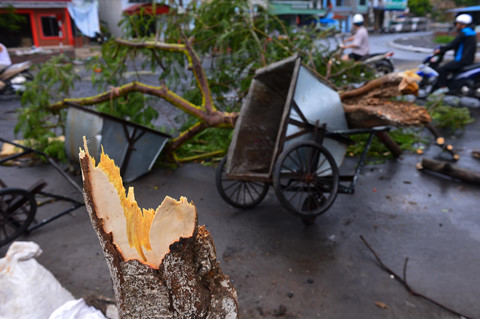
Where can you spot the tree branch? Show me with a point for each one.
(404, 281)
(186, 135)
(202, 82)
(194, 64)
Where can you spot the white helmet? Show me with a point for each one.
(357, 18)
(464, 18)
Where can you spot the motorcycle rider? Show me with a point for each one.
(4, 57)
(464, 45)
(360, 45)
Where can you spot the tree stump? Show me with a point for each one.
(162, 264)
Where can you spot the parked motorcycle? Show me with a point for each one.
(13, 78)
(465, 82)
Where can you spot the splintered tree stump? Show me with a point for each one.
(449, 169)
(162, 264)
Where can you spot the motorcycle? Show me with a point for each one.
(14, 77)
(464, 82)
(381, 62)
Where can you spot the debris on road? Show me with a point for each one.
(373, 104)
(449, 169)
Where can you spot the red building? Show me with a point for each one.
(45, 23)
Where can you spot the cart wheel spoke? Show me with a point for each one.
(240, 194)
(306, 180)
(17, 210)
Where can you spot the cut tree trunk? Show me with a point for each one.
(162, 264)
(374, 103)
(449, 169)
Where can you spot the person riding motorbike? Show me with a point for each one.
(360, 45)
(464, 45)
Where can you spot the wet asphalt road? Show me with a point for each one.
(281, 268)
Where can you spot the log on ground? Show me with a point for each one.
(450, 169)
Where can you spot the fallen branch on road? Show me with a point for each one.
(449, 169)
(403, 281)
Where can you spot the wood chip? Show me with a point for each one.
(381, 305)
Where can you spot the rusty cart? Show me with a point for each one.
(291, 133)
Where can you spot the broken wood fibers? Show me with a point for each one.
(374, 104)
(162, 264)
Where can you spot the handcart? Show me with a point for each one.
(291, 133)
(18, 206)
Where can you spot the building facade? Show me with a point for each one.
(45, 23)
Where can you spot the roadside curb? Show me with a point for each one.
(409, 47)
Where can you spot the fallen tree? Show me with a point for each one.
(162, 264)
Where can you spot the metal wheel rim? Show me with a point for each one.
(305, 188)
(14, 217)
(240, 194)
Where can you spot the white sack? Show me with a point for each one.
(77, 309)
(27, 289)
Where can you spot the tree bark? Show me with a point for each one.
(188, 282)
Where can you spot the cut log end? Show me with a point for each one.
(143, 235)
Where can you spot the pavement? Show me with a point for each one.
(282, 269)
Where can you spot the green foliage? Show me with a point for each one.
(52, 82)
(212, 141)
(445, 116)
(233, 43)
(10, 20)
(408, 139)
(420, 8)
(134, 108)
(443, 39)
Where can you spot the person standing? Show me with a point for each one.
(4, 57)
(464, 45)
(360, 45)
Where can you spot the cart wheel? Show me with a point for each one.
(306, 180)
(240, 194)
(17, 210)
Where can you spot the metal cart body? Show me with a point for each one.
(291, 133)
